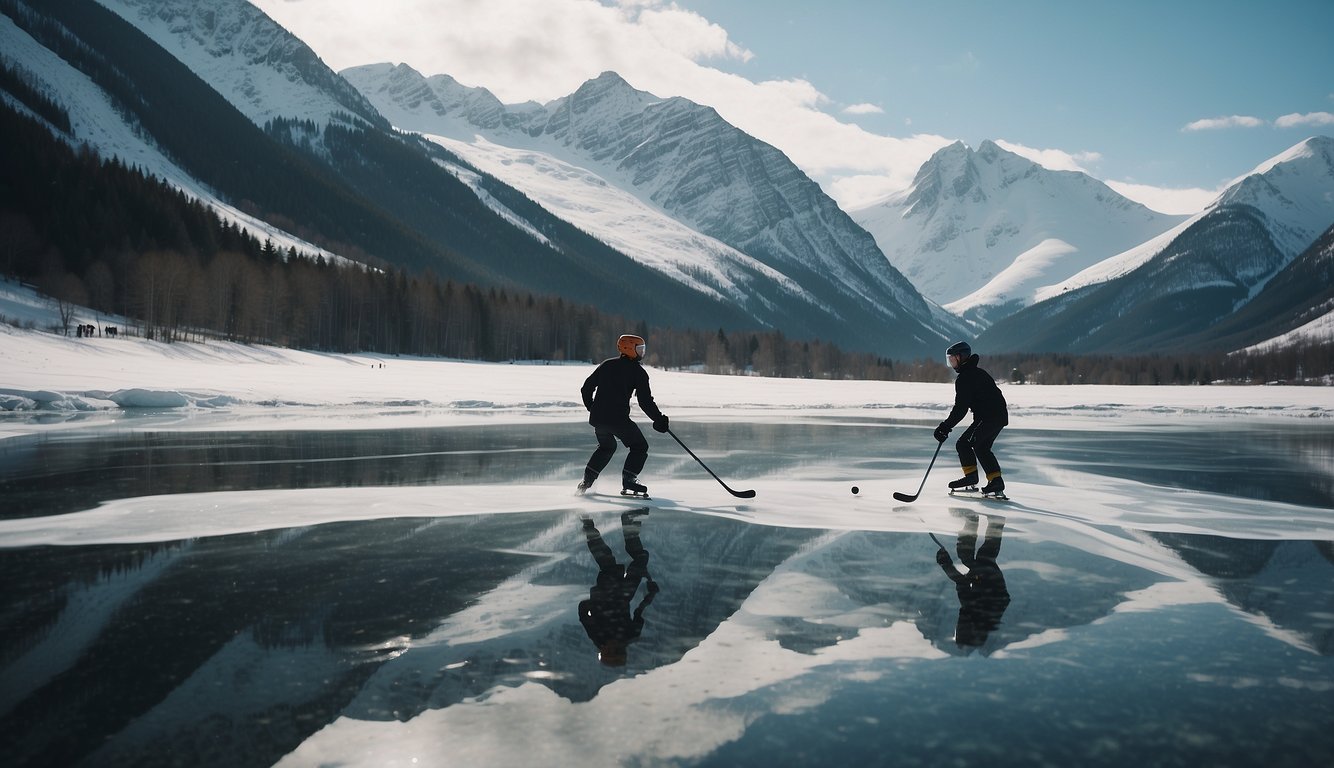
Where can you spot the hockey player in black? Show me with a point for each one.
(976, 391)
(606, 394)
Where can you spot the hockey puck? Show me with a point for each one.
(855, 490)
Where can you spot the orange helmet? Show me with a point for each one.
(631, 346)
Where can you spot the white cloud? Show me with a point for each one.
(1220, 123)
(855, 192)
(1161, 199)
(863, 109)
(1053, 159)
(1311, 118)
(1165, 199)
(689, 34)
(517, 49)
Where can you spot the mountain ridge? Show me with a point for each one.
(782, 238)
(1182, 289)
(982, 231)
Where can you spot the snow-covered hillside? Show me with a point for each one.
(983, 231)
(623, 221)
(1293, 190)
(1206, 283)
(97, 123)
(222, 41)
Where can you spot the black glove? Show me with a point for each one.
(652, 587)
(660, 424)
(942, 432)
(943, 557)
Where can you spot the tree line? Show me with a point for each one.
(1302, 363)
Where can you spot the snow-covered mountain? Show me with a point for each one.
(1296, 307)
(1180, 289)
(648, 207)
(673, 185)
(982, 231)
(257, 65)
(692, 222)
(224, 104)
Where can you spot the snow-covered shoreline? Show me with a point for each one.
(221, 385)
(50, 382)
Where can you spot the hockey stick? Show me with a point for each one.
(937, 541)
(738, 494)
(912, 498)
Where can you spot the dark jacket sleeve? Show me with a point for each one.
(645, 396)
(590, 384)
(962, 401)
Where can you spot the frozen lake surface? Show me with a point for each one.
(1156, 594)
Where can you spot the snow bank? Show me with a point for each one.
(221, 385)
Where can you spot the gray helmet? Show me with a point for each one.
(961, 349)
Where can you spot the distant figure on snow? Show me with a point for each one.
(606, 394)
(976, 391)
(606, 614)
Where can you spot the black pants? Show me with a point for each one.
(974, 447)
(627, 432)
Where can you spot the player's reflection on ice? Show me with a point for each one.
(606, 614)
(983, 597)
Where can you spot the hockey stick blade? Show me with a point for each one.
(910, 499)
(738, 494)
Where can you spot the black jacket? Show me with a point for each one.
(608, 389)
(975, 390)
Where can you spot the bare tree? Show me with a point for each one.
(69, 294)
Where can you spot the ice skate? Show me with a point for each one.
(630, 486)
(966, 483)
(587, 483)
(995, 488)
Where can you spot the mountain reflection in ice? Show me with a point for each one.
(202, 643)
(442, 623)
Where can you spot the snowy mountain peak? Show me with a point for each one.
(1317, 148)
(958, 173)
(744, 221)
(1293, 190)
(1199, 277)
(478, 105)
(947, 173)
(988, 149)
(597, 107)
(981, 231)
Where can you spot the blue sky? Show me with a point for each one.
(1166, 101)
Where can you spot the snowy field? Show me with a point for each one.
(220, 385)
